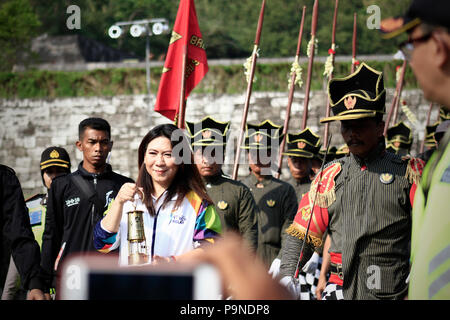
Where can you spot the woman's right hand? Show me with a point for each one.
(126, 193)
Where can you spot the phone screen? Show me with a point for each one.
(140, 286)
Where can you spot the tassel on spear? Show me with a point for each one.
(250, 78)
(311, 48)
(329, 66)
(293, 80)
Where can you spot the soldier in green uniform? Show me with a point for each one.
(363, 200)
(276, 200)
(301, 148)
(233, 200)
(428, 51)
(399, 139)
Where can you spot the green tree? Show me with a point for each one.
(18, 24)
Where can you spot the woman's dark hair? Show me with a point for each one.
(187, 177)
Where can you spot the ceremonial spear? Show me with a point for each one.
(250, 77)
(294, 78)
(329, 66)
(355, 31)
(311, 49)
(396, 99)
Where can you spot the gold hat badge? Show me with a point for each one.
(350, 102)
(54, 154)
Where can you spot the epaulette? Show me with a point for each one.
(414, 169)
(326, 188)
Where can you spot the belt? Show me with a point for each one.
(336, 268)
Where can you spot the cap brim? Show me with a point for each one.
(299, 154)
(393, 27)
(352, 115)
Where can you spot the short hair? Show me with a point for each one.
(94, 123)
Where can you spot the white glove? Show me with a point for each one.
(311, 265)
(275, 268)
(293, 285)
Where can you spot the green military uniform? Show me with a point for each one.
(276, 200)
(430, 243)
(364, 203)
(399, 139)
(233, 200)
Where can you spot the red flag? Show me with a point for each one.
(185, 34)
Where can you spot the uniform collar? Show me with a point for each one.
(84, 172)
(266, 180)
(375, 154)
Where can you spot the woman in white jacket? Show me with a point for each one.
(179, 216)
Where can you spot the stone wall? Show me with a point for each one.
(28, 126)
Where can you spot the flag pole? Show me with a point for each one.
(330, 75)
(249, 90)
(182, 108)
(311, 60)
(290, 97)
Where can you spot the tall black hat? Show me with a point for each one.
(399, 137)
(263, 135)
(430, 141)
(444, 114)
(359, 95)
(304, 144)
(208, 132)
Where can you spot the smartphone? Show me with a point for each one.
(101, 278)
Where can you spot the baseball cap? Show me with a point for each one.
(55, 157)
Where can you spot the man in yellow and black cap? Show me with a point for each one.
(399, 139)
(233, 200)
(276, 200)
(363, 200)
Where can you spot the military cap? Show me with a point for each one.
(208, 132)
(55, 157)
(262, 135)
(331, 155)
(434, 12)
(359, 95)
(444, 114)
(430, 141)
(399, 137)
(342, 151)
(304, 144)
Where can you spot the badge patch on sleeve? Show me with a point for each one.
(35, 217)
(446, 176)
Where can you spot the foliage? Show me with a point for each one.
(18, 24)
(228, 27)
(219, 80)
